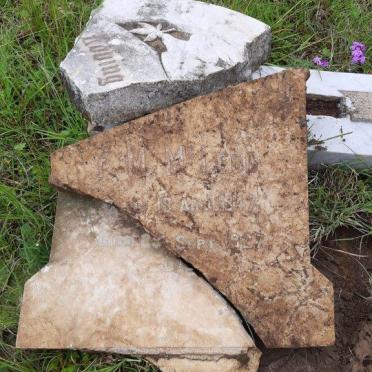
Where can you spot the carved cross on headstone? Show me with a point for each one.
(154, 35)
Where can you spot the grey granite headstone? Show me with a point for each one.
(135, 57)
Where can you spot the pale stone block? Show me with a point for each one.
(110, 287)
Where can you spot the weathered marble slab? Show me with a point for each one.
(222, 179)
(135, 57)
(339, 116)
(110, 287)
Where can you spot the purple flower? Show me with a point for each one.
(357, 53)
(324, 63)
(320, 62)
(357, 45)
(357, 56)
(317, 60)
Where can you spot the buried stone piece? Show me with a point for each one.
(222, 180)
(110, 287)
(135, 57)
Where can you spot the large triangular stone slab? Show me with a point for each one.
(110, 287)
(222, 180)
(135, 57)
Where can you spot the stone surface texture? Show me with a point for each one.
(222, 180)
(361, 105)
(110, 287)
(213, 365)
(135, 57)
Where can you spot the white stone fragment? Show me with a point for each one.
(135, 57)
(339, 140)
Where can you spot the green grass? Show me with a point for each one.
(36, 118)
(305, 28)
(339, 197)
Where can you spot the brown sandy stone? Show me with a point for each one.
(110, 287)
(222, 179)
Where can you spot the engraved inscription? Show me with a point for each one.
(105, 57)
(136, 160)
(195, 243)
(236, 242)
(122, 241)
(211, 202)
(227, 160)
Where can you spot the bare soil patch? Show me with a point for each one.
(353, 313)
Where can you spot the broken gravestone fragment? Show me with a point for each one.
(339, 121)
(222, 180)
(110, 287)
(135, 57)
